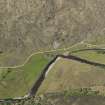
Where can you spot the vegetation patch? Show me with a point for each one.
(92, 55)
(72, 74)
(16, 82)
(81, 92)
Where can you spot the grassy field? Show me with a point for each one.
(92, 55)
(70, 74)
(15, 82)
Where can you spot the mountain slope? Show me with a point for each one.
(30, 25)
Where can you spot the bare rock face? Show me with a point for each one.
(31, 25)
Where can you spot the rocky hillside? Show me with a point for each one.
(27, 26)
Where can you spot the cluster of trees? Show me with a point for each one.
(31, 101)
(81, 92)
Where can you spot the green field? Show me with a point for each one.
(70, 75)
(92, 55)
(16, 82)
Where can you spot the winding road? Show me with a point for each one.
(54, 50)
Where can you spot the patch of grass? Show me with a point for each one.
(81, 92)
(92, 55)
(17, 82)
(72, 74)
